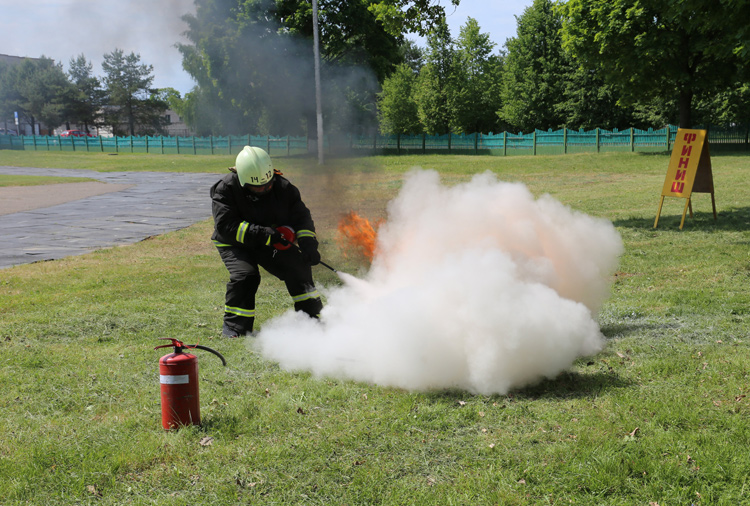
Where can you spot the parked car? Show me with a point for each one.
(3, 131)
(75, 133)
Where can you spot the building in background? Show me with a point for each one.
(176, 127)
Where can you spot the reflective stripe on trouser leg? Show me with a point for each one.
(308, 302)
(248, 313)
(244, 279)
(238, 321)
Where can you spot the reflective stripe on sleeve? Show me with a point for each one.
(305, 233)
(306, 296)
(249, 313)
(241, 230)
(221, 244)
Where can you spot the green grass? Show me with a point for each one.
(8, 180)
(107, 162)
(659, 416)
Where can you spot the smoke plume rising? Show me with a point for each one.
(478, 286)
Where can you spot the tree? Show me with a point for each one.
(412, 55)
(433, 89)
(728, 108)
(536, 68)
(37, 89)
(43, 86)
(130, 98)
(200, 111)
(174, 101)
(657, 50)
(357, 54)
(243, 65)
(252, 59)
(400, 16)
(591, 103)
(476, 76)
(151, 117)
(350, 34)
(10, 98)
(87, 99)
(397, 110)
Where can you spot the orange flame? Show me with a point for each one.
(356, 232)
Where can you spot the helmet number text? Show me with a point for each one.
(256, 179)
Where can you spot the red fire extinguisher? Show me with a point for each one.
(178, 375)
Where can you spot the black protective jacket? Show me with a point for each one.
(240, 218)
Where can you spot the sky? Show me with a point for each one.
(64, 29)
(496, 17)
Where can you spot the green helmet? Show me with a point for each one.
(253, 166)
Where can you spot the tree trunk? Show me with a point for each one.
(685, 105)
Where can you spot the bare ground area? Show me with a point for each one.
(15, 199)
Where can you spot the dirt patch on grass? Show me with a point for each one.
(16, 199)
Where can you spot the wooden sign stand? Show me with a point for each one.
(689, 171)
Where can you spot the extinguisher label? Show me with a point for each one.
(180, 379)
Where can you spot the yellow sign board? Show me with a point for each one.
(689, 171)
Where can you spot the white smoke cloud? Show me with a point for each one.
(477, 286)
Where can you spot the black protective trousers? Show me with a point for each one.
(244, 279)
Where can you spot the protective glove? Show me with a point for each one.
(272, 236)
(309, 248)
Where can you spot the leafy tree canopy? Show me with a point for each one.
(660, 49)
(253, 60)
(35, 88)
(536, 69)
(434, 85)
(397, 109)
(402, 16)
(476, 81)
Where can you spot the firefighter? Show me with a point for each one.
(249, 204)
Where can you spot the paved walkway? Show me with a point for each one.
(157, 202)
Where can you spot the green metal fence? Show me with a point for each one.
(539, 142)
(164, 145)
(548, 142)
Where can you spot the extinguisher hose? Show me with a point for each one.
(283, 241)
(206, 348)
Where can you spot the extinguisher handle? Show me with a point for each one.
(178, 345)
(163, 346)
(206, 348)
